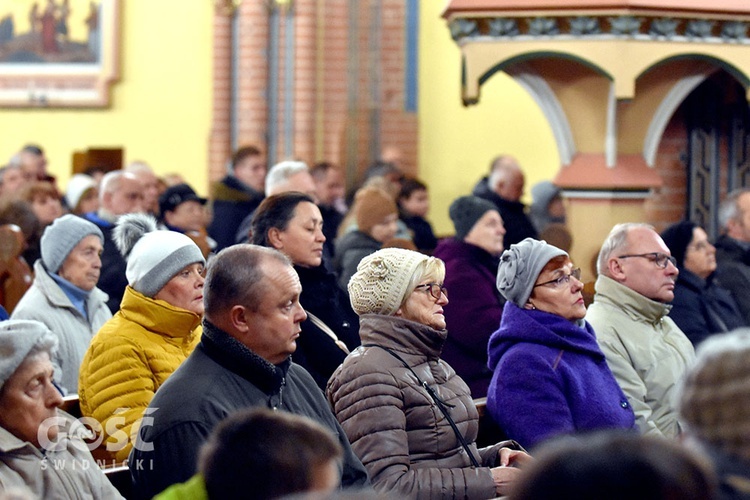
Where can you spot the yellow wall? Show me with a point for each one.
(456, 144)
(161, 107)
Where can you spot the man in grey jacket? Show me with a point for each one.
(646, 351)
(250, 330)
(64, 295)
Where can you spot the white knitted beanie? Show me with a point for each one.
(154, 257)
(714, 400)
(381, 281)
(77, 185)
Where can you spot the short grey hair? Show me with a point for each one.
(616, 242)
(729, 208)
(283, 171)
(500, 167)
(236, 276)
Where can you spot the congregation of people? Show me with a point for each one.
(284, 338)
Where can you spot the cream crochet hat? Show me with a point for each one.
(381, 281)
(714, 399)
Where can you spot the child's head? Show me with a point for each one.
(376, 213)
(413, 197)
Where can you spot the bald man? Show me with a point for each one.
(504, 188)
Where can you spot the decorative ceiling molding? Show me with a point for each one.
(601, 27)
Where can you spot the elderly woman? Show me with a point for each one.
(701, 306)
(550, 376)
(64, 295)
(408, 416)
(471, 259)
(157, 327)
(29, 401)
(292, 224)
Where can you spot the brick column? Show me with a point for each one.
(219, 147)
(252, 109)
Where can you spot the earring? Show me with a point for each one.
(529, 306)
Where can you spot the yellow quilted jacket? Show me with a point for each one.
(128, 360)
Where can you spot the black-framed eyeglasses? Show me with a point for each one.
(434, 289)
(562, 280)
(660, 259)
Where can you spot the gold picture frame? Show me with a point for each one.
(58, 53)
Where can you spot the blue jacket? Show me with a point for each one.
(550, 378)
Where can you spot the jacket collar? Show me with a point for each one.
(635, 305)
(401, 335)
(236, 357)
(157, 315)
(54, 293)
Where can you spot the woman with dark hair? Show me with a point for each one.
(550, 375)
(292, 223)
(701, 306)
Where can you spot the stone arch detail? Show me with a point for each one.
(542, 93)
(705, 67)
(547, 101)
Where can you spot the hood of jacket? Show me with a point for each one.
(539, 327)
(402, 335)
(613, 294)
(356, 240)
(232, 189)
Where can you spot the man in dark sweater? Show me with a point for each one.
(237, 194)
(252, 321)
(504, 188)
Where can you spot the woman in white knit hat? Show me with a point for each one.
(53, 463)
(157, 327)
(408, 416)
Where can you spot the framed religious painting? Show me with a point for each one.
(58, 53)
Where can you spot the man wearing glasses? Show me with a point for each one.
(645, 349)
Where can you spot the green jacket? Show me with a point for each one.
(646, 351)
(192, 489)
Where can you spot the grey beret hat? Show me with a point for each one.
(62, 236)
(520, 266)
(17, 338)
(466, 211)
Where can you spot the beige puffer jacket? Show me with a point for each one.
(395, 428)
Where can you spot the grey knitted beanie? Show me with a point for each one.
(62, 236)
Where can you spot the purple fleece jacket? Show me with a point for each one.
(550, 377)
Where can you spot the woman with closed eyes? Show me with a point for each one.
(549, 375)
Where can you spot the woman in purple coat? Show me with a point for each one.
(473, 313)
(550, 376)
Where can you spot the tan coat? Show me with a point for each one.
(646, 351)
